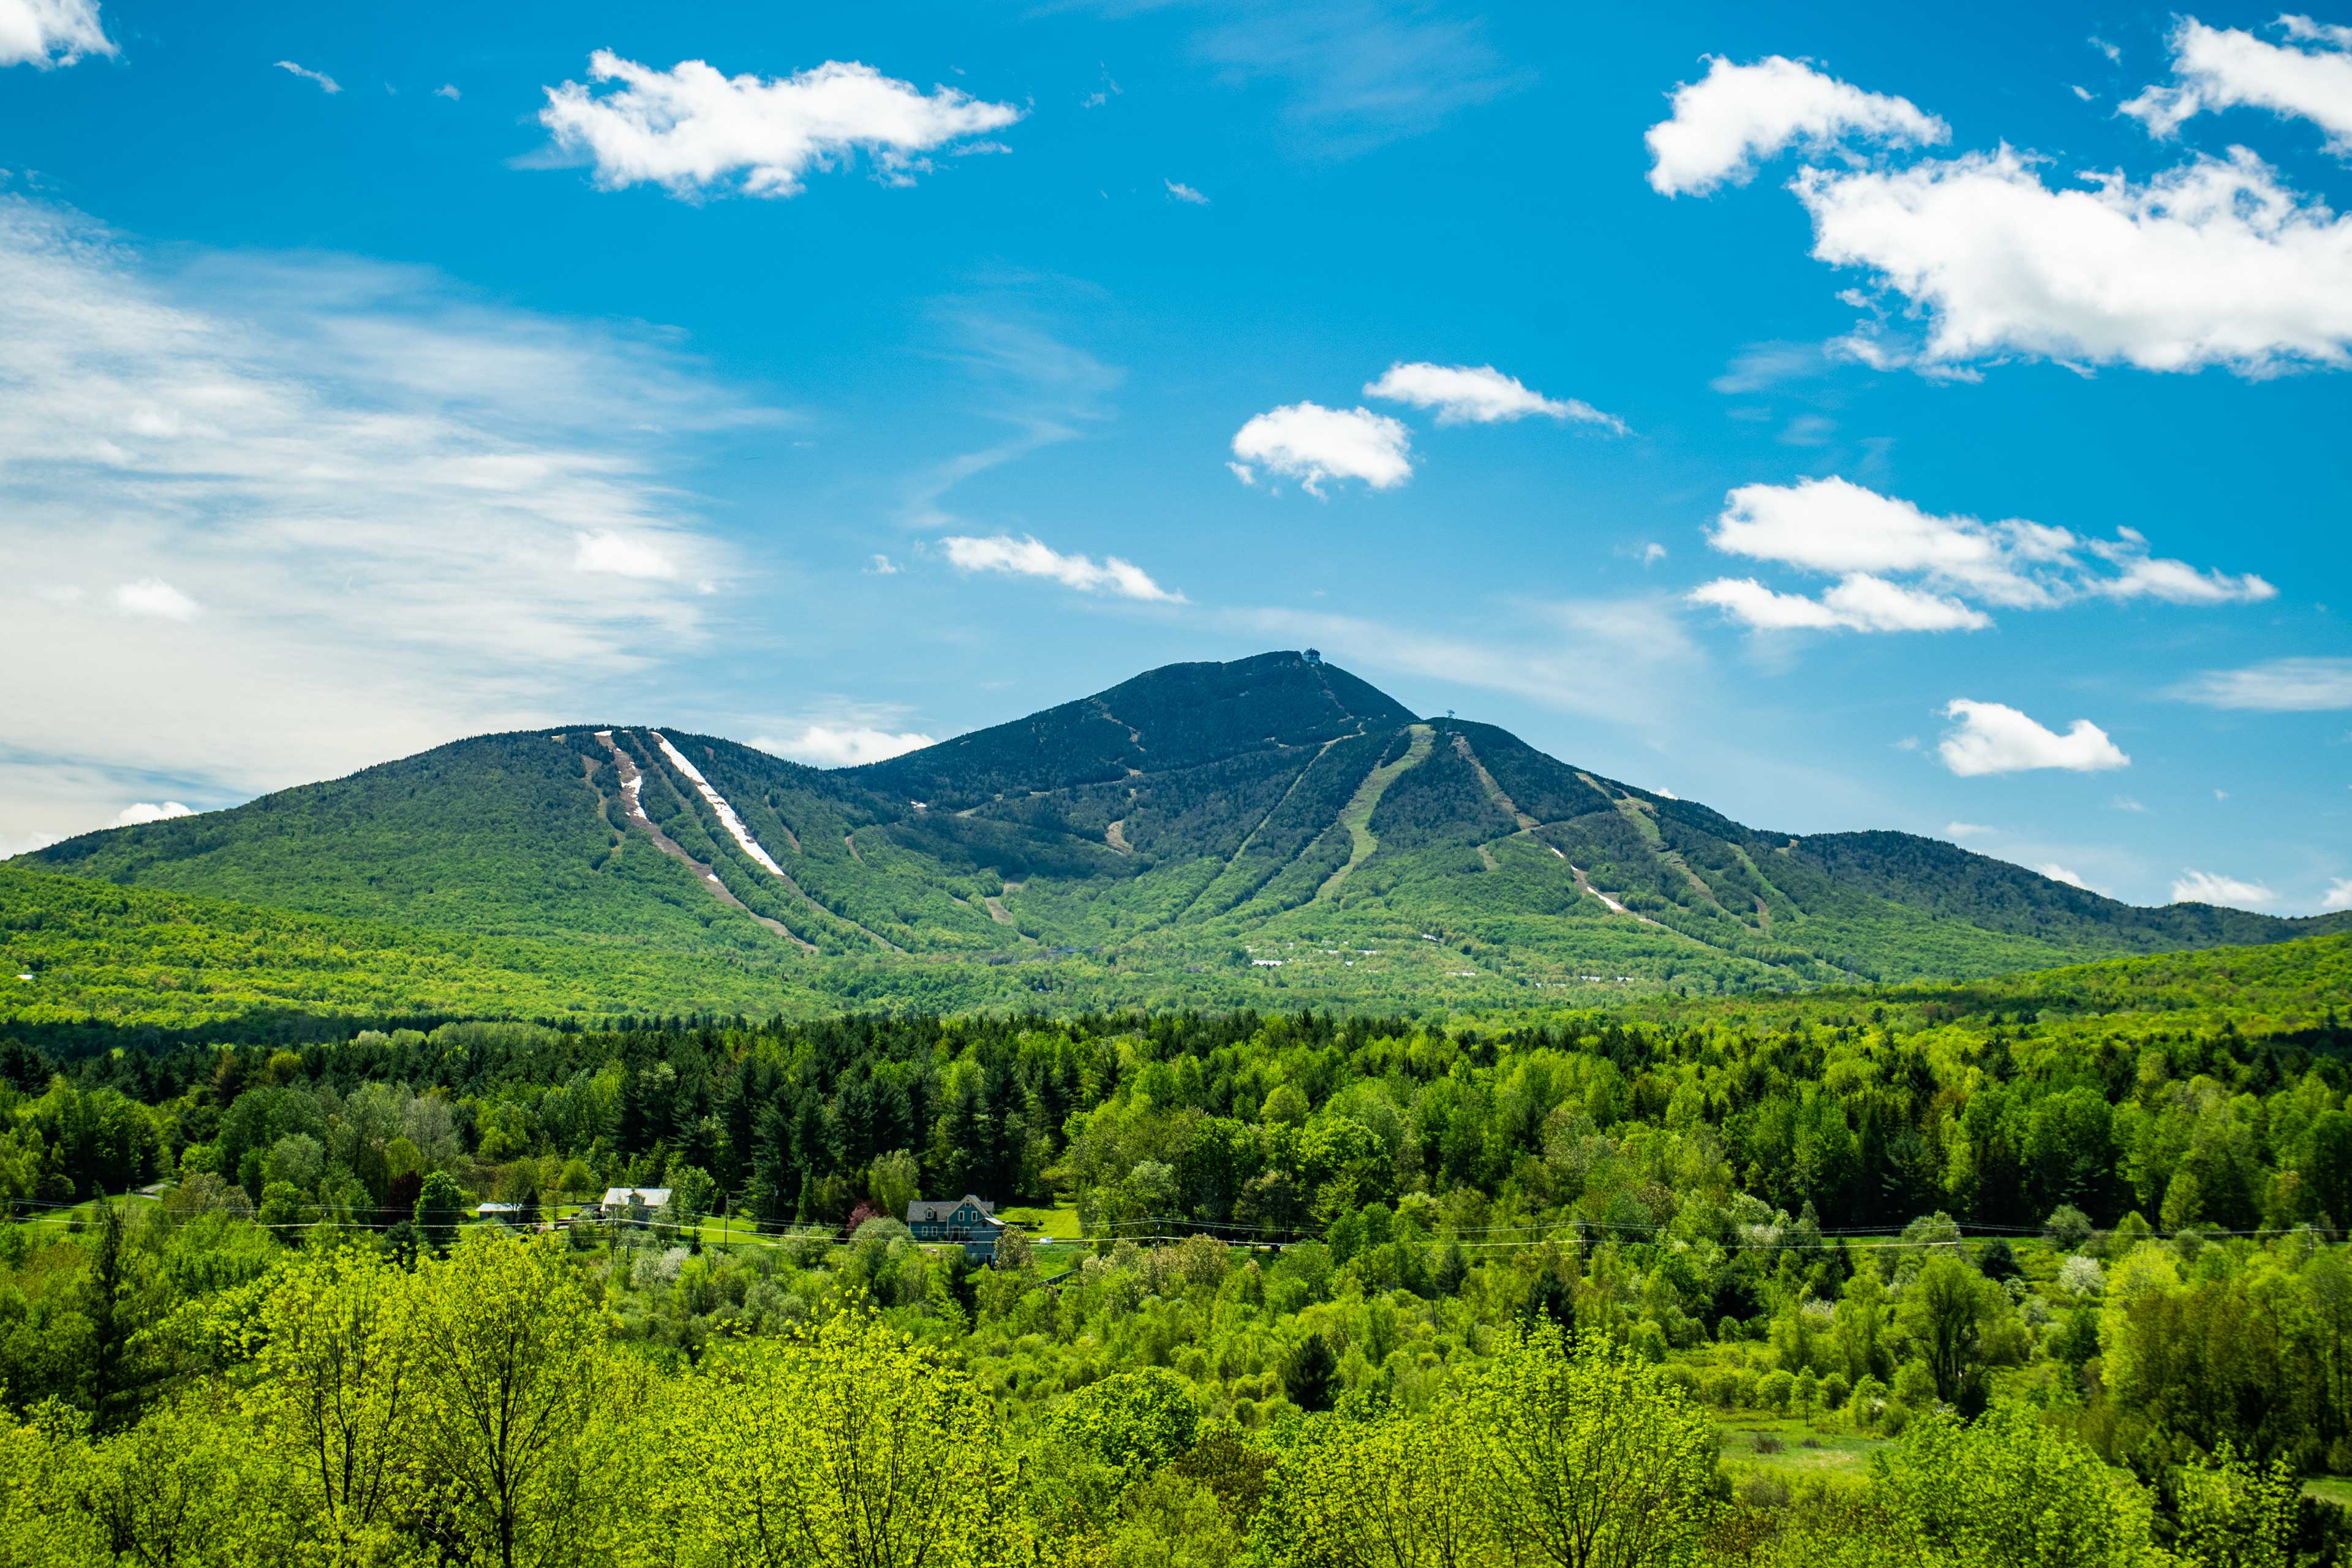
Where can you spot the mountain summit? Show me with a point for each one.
(1274, 817)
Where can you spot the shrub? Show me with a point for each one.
(2067, 1227)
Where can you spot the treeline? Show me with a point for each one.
(1267, 1122)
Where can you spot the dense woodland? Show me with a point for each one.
(2079, 1237)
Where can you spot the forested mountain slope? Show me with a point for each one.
(1271, 825)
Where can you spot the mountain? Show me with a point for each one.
(1272, 829)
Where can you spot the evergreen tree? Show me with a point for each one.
(102, 1299)
(1307, 1371)
(439, 1206)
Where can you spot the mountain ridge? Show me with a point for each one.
(1274, 813)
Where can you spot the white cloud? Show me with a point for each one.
(374, 485)
(1310, 443)
(447, 91)
(1832, 526)
(690, 130)
(2212, 263)
(1963, 830)
(2195, 887)
(1653, 552)
(1735, 115)
(2058, 873)
(2339, 895)
(147, 811)
(2125, 803)
(2214, 68)
(327, 84)
(1480, 394)
(1992, 738)
(1028, 558)
(842, 746)
(884, 566)
(2139, 576)
(1179, 191)
(2114, 54)
(622, 556)
(2279, 686)
(45, 33)
(2304, 30)
(1859, 602)
(152, 596)
(27, 842)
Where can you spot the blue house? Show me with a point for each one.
(967, 1219)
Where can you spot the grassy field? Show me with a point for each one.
(1794, 1452)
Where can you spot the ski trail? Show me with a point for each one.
(1614, 907)
(633, 783)
(734, 823)
(750, 846)
(1355, 816)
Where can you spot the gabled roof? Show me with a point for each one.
(652, 1198)
(932, 1210)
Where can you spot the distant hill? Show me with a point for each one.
(1272, 828)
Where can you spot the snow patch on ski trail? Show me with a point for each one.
(750, 845)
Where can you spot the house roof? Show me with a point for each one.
(652, 1198)
(932, 1210)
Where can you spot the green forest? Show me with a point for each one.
(1268, 833)
(2044, 1269)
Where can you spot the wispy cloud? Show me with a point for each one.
(1010, 344)
(1028, 558)
(327, 84)
(2279, 686)
(272, 520)
(1353, 74)
(1180, 192)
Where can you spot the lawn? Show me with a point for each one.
(1060, 1222)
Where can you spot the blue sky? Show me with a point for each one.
(1758, 404)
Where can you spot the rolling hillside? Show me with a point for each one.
(1270, 827)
